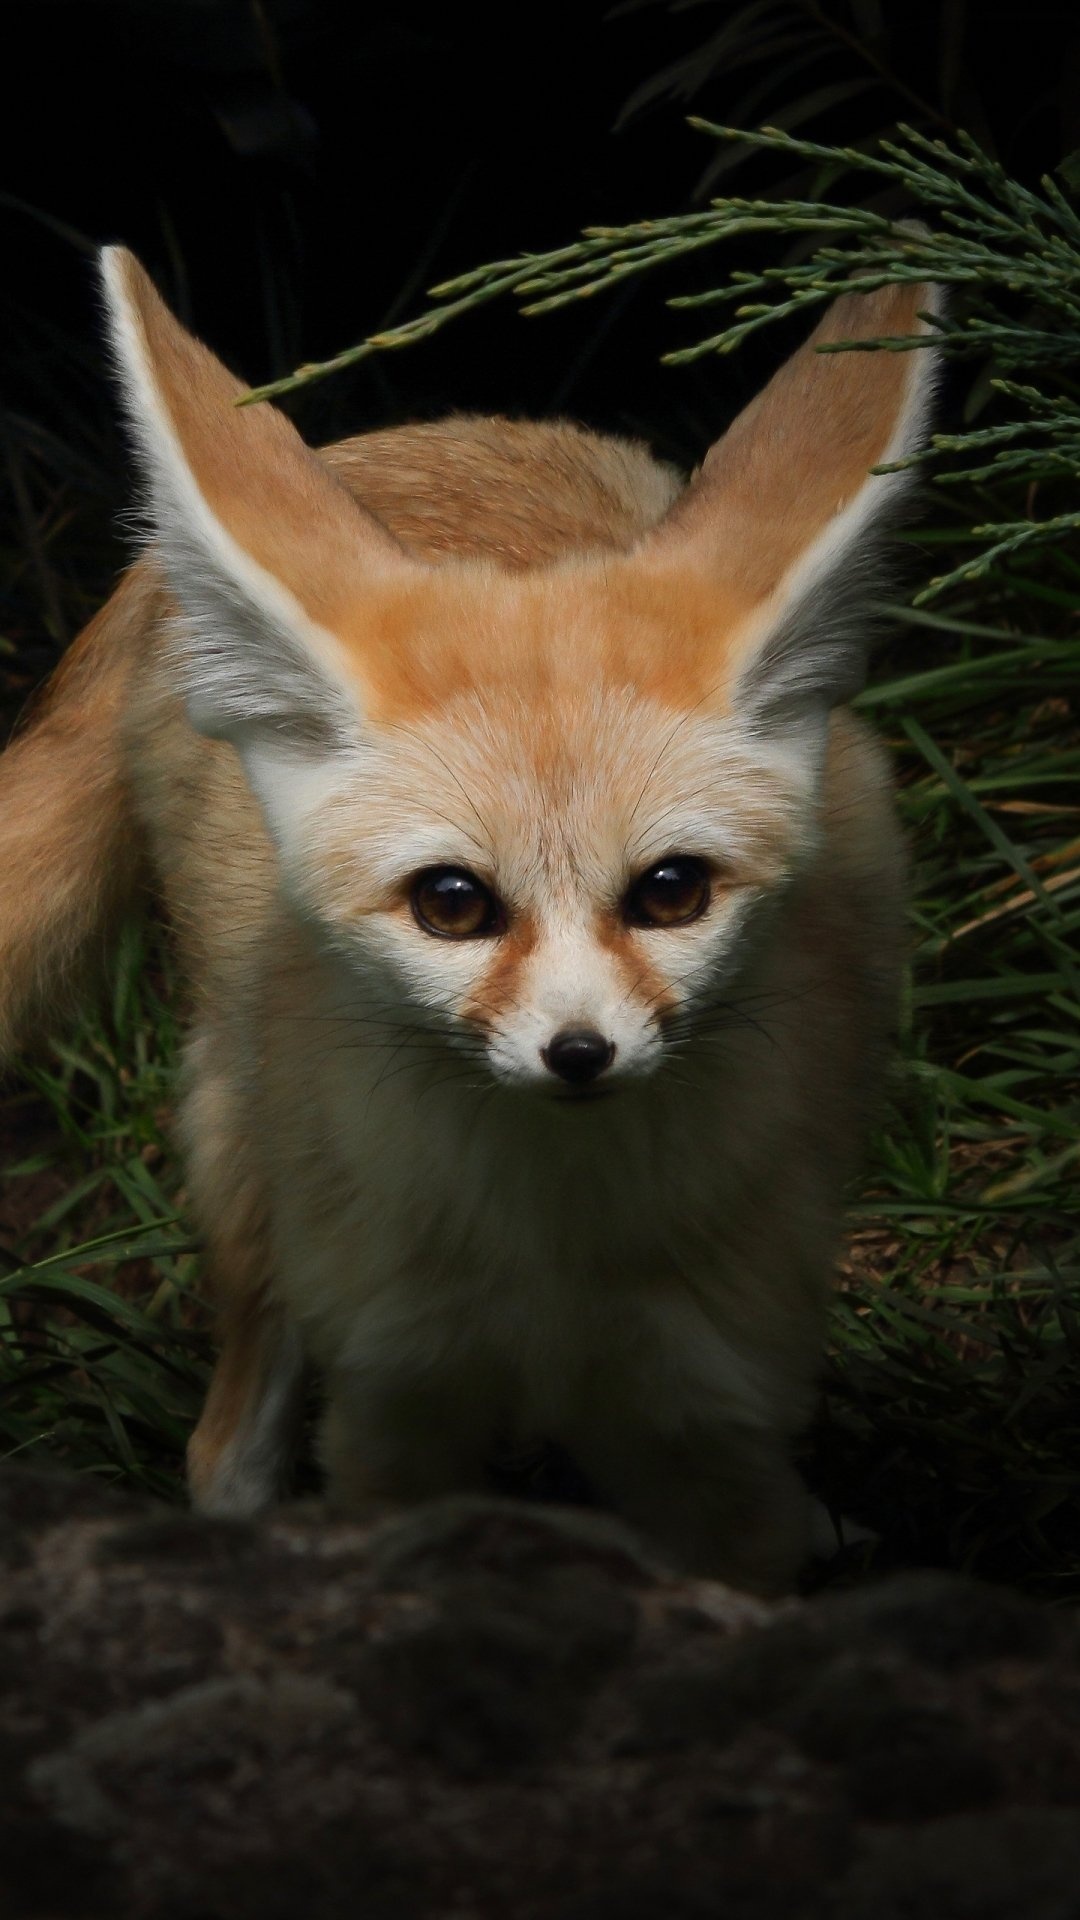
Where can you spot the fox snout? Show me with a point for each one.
(570, 1017)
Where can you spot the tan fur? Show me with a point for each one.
(501, 981)
(801, 449)
(69, 855)
(254, 471)
(546, 654)
(641, 981)
(503, 490)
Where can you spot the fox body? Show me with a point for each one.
(540, 905)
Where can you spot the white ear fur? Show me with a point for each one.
(256, 666)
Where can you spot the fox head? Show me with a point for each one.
(549, 804)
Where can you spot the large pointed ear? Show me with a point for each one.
(787, 517)
(265, 552)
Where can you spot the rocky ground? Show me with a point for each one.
(488, 1709)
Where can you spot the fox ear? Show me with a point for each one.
(264, 551)
(787, 516)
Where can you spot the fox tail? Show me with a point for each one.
(69, 853)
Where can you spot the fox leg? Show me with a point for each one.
(240, 1455)
(403, 1441)
(721, 1500)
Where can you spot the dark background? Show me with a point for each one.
(295, 173)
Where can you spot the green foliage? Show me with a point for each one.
(950, 1422)
(103, 1349)
(1011, 254)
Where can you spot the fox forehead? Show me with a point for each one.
(556, 800)
(598, 619)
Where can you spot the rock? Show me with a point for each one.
(488, 1710)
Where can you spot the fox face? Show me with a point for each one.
(548, 808)
(555, 879)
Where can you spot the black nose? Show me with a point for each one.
(578, 1054)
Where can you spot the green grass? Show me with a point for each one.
(951, 1420)
(104, 1343)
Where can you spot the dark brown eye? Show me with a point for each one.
(451, 902)
(671, 893)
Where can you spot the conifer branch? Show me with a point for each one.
(1011, 255)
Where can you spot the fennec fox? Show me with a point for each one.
(539, 905)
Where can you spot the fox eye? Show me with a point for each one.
(670, 894)
(453, 903)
